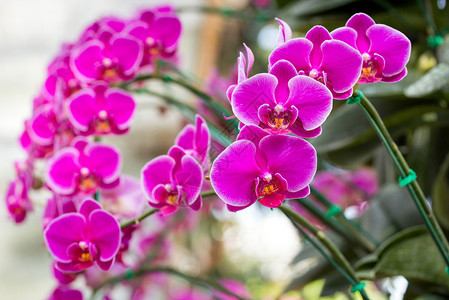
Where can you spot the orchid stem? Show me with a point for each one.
(339, 260)
(368, 240)
(208, 193)
(404, 170)
(138, 219)
(148, 270)
(238, 14)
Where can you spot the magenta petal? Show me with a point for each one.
(298, 130)
(185, 137)
(167, 30)
(190, 177)
(104, 160)
(283, 71)
(61, 171)
(159, 196)
(285, 32)
(342, 65)
(128, 52)
(249, 95)
(234, 208)
(293, 158)
(396, 77)
(196, 205)
(202, 137)
(254, 134)
(104, 233)
(272, 200)
(392, 45)
(299, 194)
(360, 23)
(312, 99)
(43, 126)
(234, 172)
(84, 61)
(82, 109)
(63, 232)
(317, 35)
(87, 207)
(346, 35)
(120, 106)
(249, 59)
(296, 51)
(105, 265)
(157, 171)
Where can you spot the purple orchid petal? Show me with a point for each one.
(120, 106)
(168, 209)
(186, 137)
(105, 265)
(73, 266)
(157, 171)
(202, 137)
(230, 91)
(129, 53)
(249, 59)
(249, 95)
(392, 45)
(296, 51)
(105, 233)
(292, 157)
(317, 35)
(65, 293)
(197, 204)
(63, 232)
(167, 30)
(190, 177)
(234, 172)
(342, 65)
(234, 208)
(272, 200)
(84, 60)
(254, 134)
(345, 34)
(312, 99)
(396, 77)
(360, 23)
(159, 196)
(43, 126)
(283, 71)
(299, 194)
(285, 32)
(87, 207)
(104, 160)
(82, 109)
(61, 171)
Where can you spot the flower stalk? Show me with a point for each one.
(139, 218)
(404, 170)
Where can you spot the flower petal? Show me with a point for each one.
(312, 99)
(293, 158)
(345, 34)
(317, 35)
(104, 233)
(82, 109)
(296, 51)
(283, 71)
(360, 23)
(129, 52)
(167, 30)
(190, 177)
(298, 130)
(234, 172)
(285, 32)
(88, 206)
(185, 138)
(84, 60)
(157, 171)
(63, 232)
(43, 126)
(61, 171)
(120, 106)
(392, 45)
(104, 160)
(254, 134)
(299, 194)
(342, 65)
(249, 95)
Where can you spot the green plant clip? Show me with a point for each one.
(447, 270)
(403, 181)
(435, 41)
(357, 99)
(333, 210)
(226, 12)
(358, 287)
(167, 78)
(129, 274)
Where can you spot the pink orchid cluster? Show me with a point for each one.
(270, 162)
(81, 97)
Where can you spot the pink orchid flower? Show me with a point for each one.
(101, 110)
(78, 240)
(64, 292)
(327, 60)
(385, 51)
(84, 168)
(259, 166)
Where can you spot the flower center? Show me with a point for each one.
(278, 119)
(87, 182)
(173, 197)
(371, 68)
(102, 123)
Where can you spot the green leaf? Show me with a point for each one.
(440, 194)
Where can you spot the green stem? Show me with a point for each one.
(352, 226)
(404, 170)
(208, 193)
(145, 271)
(327, 243)
(238, 14)
(138, 219)
(354, 238)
